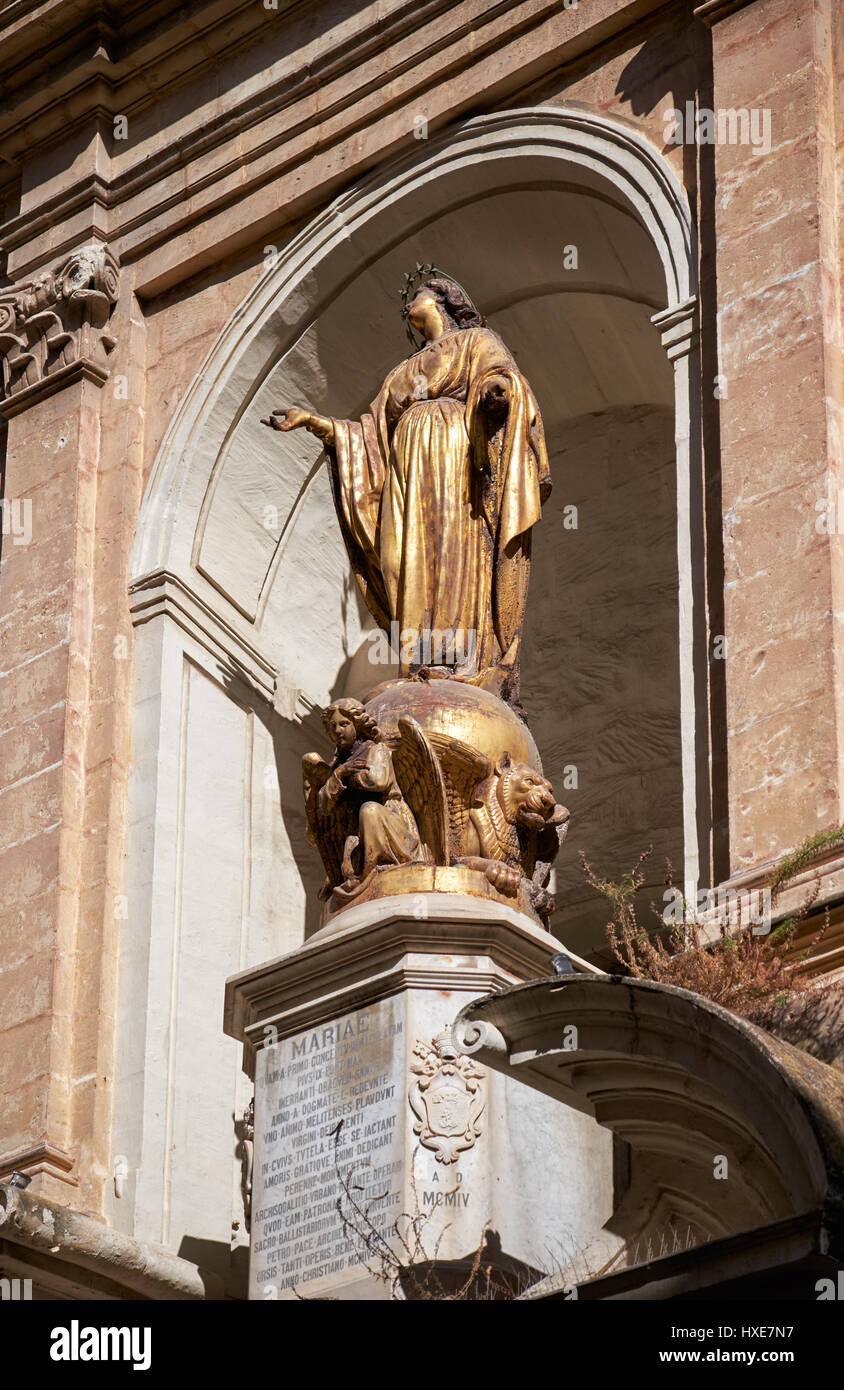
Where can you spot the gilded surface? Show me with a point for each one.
(401, 792)
(357, 815)
(437, 489)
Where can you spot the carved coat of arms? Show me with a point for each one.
(447, 1099)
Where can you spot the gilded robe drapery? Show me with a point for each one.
(436, 500)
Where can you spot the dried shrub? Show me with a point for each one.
(397, 1254)
(756, 977)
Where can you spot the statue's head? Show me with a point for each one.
(526, 797)
(347, 720)
(427, 295)
(454, 303)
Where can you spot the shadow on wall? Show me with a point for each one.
(600, 670)
(292, 738)
(645, 85)
(648, 83)
(655, 79)
(218, 1263)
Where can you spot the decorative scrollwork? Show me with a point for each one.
(57, 323)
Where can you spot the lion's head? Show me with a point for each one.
(526, 797)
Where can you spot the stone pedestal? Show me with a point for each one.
(353, 1030)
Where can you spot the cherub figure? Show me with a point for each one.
(357, 816)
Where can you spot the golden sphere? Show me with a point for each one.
(456, 710)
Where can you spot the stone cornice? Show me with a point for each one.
(65, 57)
(396, 60)
(161, 594)
(37, 1159)
(77, 1242)
(826, 873)
(53, 330)
(126, 92)
(122, 67)
(714, 10)
(436, 941)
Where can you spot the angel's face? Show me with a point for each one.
(341, 728)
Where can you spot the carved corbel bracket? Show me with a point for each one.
(54, 330)
(679, 328)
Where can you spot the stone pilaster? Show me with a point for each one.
(779, 329)
(56, 344)
(679, 328)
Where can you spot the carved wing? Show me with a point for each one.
(421, 780)
(463, 768)
(326, 831)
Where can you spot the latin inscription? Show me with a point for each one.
(304, 1086)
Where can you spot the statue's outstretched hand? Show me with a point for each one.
(289, 419)
(293, 419)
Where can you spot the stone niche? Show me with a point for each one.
(601, 671)
(248, 621)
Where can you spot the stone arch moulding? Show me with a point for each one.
(183, 662)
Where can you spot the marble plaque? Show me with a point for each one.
(350, 1070)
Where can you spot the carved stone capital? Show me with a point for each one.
(54, 330)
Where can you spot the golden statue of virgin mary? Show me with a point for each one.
(437, 489)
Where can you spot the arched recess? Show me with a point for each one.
(247, 619)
